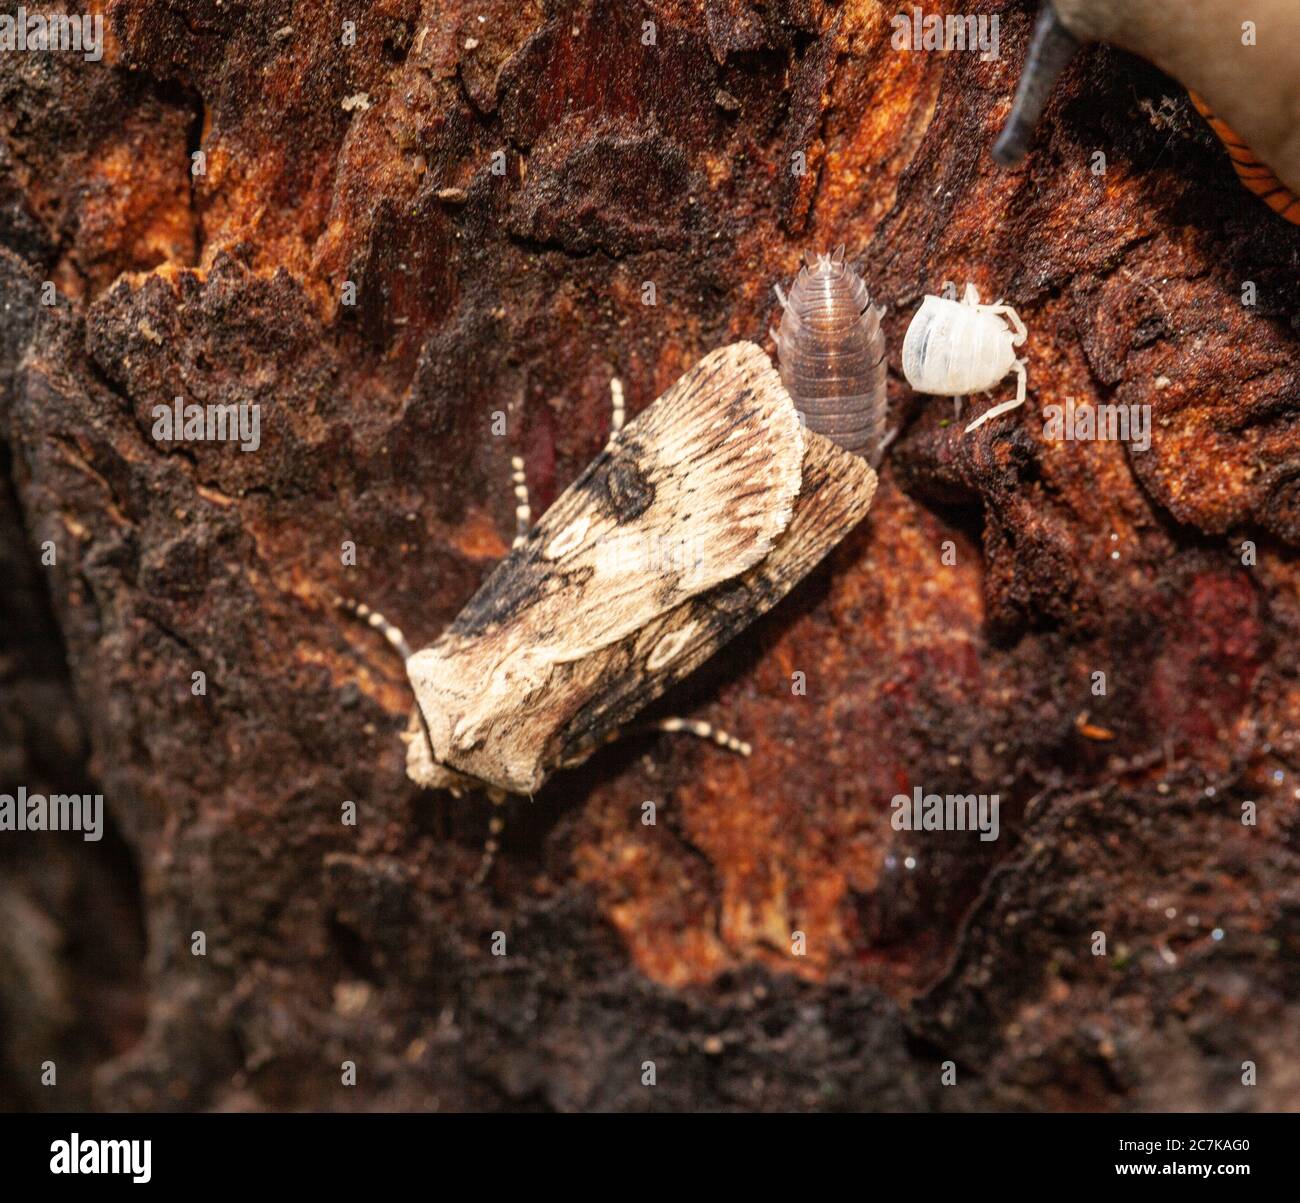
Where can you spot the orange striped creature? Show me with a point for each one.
(1244, 59)
(1257, 176)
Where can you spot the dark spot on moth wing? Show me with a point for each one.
(838, 488)
(629, 490)
(518, 583)
(740, 408)
(709, 472)
(614, 551)
(740, 599)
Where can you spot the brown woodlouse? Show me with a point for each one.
(831, 352)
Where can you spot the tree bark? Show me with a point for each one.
(493, 208)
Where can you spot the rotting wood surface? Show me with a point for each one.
(624, 165)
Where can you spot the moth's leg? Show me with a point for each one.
(689, 726)
(379, 622)
(523, 511)
(492, 845)
(618, 411)
(701, 730)
(1006, 406)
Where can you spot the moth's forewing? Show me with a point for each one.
(692, 494)
(421, 766)
(836, 494)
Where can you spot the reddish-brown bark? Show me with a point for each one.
(522, 292)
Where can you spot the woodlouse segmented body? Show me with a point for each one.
(954, 348)
(831, 351)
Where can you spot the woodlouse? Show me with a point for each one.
(831, 352)
(954, 348)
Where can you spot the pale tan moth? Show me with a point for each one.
(697, 516)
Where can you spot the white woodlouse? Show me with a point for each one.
(954, 348)
(831, 352)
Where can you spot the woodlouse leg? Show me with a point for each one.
(780, 296)
(1021, 331)
(373, 618)
(523, 511)
(1022, 383)
(971, 296)
(618, 411)
(492, 845)
(956, 407)
(884, 445)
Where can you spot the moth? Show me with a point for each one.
(697, 516)
(1244, 59)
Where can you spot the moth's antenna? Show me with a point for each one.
(1052, 47)
(523, 510)
(379, 622)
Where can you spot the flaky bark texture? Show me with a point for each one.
(517, 282)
